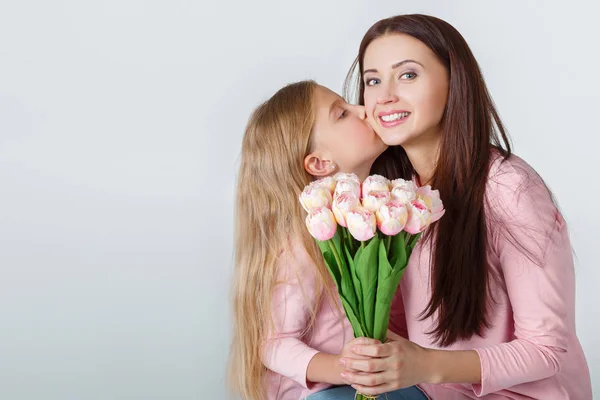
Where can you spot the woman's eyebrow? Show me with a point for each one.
(394, 66)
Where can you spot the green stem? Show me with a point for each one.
(338, 260)
(413, 240)
(348, 240)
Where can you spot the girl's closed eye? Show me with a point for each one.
(343, 114)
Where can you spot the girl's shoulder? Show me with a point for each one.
(294, 263)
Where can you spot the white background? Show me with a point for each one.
(120, 129)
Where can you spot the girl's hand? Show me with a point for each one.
(326, 368)
(377, 368)
(349, 353)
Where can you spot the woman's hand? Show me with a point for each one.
(377, 368)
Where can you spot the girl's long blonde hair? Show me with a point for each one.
(268, 214)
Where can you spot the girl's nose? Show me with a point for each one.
(359, 111)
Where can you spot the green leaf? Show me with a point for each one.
(413, 241)
(349, 241)
(346, 283)
(354, 322)
(397, 253)
(385, 295)
(366, 266)
(385, 267)
(330, 262)
(357, 284)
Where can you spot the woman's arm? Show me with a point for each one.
(401, 363)
(536, 262)
(537, 268)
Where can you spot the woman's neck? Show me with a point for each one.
(423, 155)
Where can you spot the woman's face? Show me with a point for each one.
(342, 138)
(406, 89)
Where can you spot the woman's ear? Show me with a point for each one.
(315, 166)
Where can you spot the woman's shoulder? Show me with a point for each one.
(512, 180)
(510, 169)
(520, 204)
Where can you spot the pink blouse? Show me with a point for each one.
(532, 350)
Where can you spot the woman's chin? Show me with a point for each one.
(393, 139)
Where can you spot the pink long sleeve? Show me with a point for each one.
(285, 353)
(536, 262)
(291, 345)
(531, 350)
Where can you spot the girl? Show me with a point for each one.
(290, 328)
(487, 302)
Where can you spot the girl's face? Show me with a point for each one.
(406, 89)
(342, 139)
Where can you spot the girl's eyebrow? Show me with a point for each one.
(333, 106)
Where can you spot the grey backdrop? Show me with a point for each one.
(120, 128)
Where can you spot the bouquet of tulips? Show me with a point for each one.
(366, 232)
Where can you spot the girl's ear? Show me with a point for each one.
(315, 166)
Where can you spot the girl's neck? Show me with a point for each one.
(362, 172)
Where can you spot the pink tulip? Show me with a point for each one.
(344, 176)
(375, 183)
(328, 183)
(392, 217)
(432, 200)
(347, 186)
(374, 200)
(342, 204)
(321, 223)
(361, 224)
(419, 217)
(405, 191)
(314, 197)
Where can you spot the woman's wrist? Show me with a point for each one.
(451, 366)
(431, 366)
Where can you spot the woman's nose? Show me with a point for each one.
(386, 98)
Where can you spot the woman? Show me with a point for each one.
(486, 307)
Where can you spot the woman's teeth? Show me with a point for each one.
(394, 117)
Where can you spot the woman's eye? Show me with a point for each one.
(372, 82)
(343, 114)
(408, 76)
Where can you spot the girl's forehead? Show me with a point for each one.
(324, 97)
